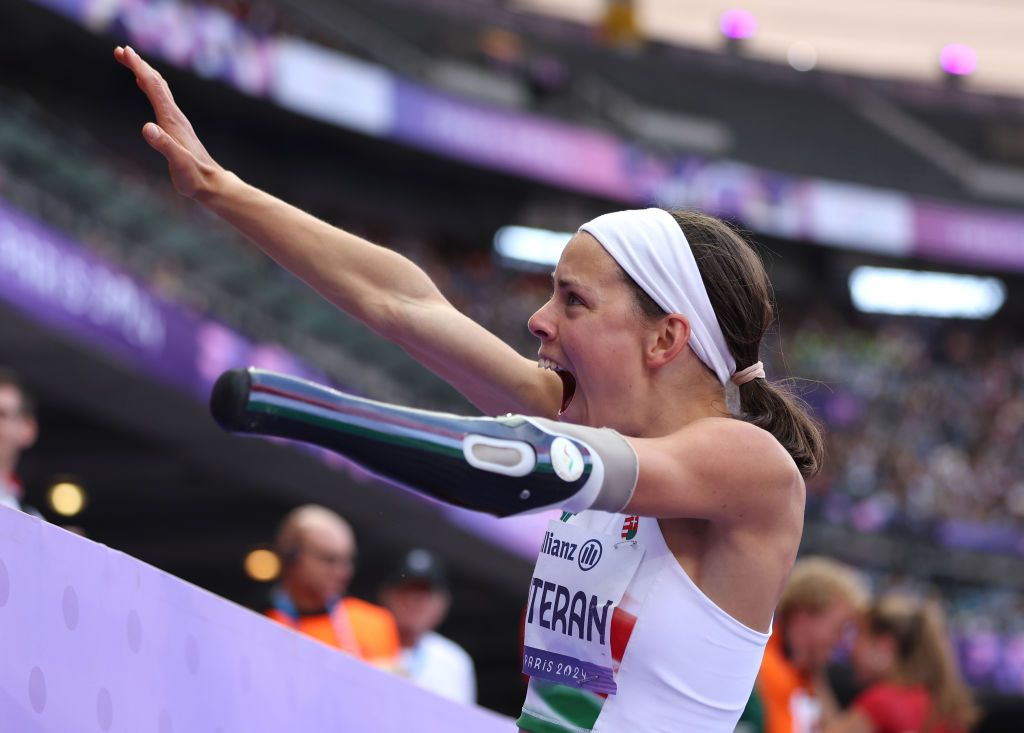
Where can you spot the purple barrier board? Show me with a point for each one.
(93, 639)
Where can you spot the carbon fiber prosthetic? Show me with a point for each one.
(502, 466)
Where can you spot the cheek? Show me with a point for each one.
(612, 354)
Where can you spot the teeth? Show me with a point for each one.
(548, 364)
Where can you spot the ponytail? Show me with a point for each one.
(741, 295)
(776, 409)
(933, 661)
(925, 657)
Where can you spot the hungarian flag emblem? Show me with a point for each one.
(630, 526)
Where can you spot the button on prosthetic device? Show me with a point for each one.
(502, 466)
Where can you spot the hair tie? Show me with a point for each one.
(754, 371)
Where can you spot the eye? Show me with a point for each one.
(572, 299)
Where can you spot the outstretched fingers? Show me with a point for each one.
(163, 143)
(172, 134)
(152, 85)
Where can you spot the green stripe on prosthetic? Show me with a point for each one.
(579, 708)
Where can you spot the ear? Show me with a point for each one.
(666, 340)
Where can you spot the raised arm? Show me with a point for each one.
(380, 287)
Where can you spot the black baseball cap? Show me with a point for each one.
(420, 566)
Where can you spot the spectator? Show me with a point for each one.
(18, 431)
(318, 550)
(820, 601)
(903, 652)
(925, 428)
(417, 595)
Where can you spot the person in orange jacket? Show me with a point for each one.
(820, 603)
(317, 549)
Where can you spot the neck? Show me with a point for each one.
(408, 638)
(676, 400)
(893, 675)
(305, 601)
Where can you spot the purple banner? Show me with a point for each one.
(58, 283)
(568, 670)
(528, 145)
(204, 39)
(327, 85)
(969, 235)
(982, 536)
(72, 8)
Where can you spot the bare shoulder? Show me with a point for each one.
(751, 466)
(739, 446)
(730, 470)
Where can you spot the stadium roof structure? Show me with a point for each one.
(874, 37)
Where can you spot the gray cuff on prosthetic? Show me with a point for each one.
(616, 466)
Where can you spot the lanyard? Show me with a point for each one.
(343, 631)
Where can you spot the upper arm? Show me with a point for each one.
(490, 373)
(719, 469)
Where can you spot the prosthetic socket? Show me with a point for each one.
(502, 466)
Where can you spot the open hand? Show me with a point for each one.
(192, 169)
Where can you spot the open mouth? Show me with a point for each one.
(568, 390)
(568, 382)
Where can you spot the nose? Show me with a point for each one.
(541, 323)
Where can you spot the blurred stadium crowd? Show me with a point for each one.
(924, 418)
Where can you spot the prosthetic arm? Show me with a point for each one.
(502, 466)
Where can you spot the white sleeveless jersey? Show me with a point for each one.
(681, 663)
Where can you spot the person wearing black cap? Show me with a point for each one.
(417, 595)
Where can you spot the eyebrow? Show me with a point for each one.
(564, 282)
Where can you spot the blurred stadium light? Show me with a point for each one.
(802, 56)
(936, 294)
(528, 248)
(958, 59)
(262, 565)
(841, 32)
(737, 24)
(67, 498)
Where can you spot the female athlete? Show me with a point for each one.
(653, 596)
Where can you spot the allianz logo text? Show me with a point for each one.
(586, 557)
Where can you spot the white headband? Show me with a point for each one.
(649, 245)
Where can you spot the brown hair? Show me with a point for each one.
(924, 655)
(818, 582)
(741, 295)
